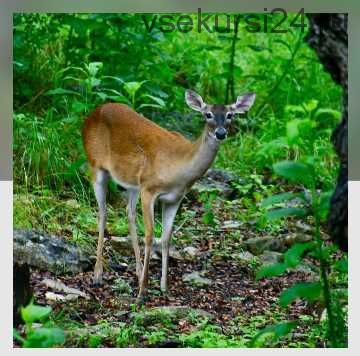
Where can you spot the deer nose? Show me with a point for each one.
(220, 133)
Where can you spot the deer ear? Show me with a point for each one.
(243, 103)
(194, 100)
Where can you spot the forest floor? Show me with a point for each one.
(234, 303)
(224, 305)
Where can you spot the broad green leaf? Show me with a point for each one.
(299, 128)
(79, 106)
(149, 106)
(94, 67)
(60, 91)
(341, 265)
(284, 43)
(293, 255)
(159, 101)
(274, 332)
(72, 78)
(132, 87)
(93, 82)
(208, 218)
(34, 312)
(335, 114)
(279, 198)
(116, 92)
(45, 337)
(292, 129)
(119, 99)
(295, 171)
(294, 110)
(118, 79)
(311, 105)
(286, 212)
(308, 291)
(271, 271)
(324, 204)
(102, 96)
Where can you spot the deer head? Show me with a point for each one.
(219, 116)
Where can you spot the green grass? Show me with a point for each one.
(157, 327)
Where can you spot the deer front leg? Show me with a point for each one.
(147, 203)
(100, 188)
(131, 213)
(168, 215)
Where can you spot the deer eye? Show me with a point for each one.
(229, 115)
(209, 115)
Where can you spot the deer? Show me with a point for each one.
(153, 163)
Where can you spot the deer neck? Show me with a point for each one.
(203, 154)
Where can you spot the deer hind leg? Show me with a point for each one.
(131, 213)
(168, 215)
(100, 188)
(147, 203)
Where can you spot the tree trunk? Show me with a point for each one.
(328, 36)
(21, 289)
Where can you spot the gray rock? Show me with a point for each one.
(181, 311)
(122, 244)
(215, 180)
(297, 238)
(173, 251)
(190, 252)
(196, 278)
(49, 253)
(61, 287)
(257, 245)
(304, 227)
(244, 256)
(55, 297)
(304, 268)
(270, 257)
(156, 314)
(106, 330)
(231, 224)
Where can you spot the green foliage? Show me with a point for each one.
(308, 291)
(121, 287)
(292, 258)
(210, 336)
(150, 71)
(283, 213)
(127, 337)
(207, 198)
(95, 340)
(317, 204)
(43, 336)
(279, 198)
(271, 270)
(33, 313)
(294, 254)
(272, 334)
(296, 172)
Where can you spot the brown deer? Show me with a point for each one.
(152, 162)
